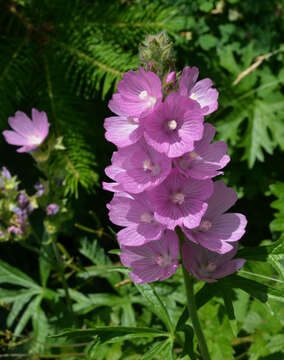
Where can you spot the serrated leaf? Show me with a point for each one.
(258, 138)
(155, 304)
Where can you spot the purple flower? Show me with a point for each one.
(40, 189)
(52, 209)
(200, 91)
(137, 214)
(28, 134)
(204, 161)
(217, 230)
(23, 201)
(174, 126)
(156, 260)
(180, 200)
(207, 265)
(6, 173)
(138, 93)
(138, 167)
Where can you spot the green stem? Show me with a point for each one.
(191, 306)
(61, 272)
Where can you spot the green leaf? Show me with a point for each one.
(227, 297)
(15, 295)
(207, 41)
(155, 304)
(158, 348)
(114, 333)
(40, 331)
(11, 275)
(28, 313)
(257, 137)
(17, 307)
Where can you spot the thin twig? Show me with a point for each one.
(255, 65)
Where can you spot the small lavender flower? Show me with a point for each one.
(40, 189)
(6, 173)
(156, 260)
(52, 209)
(27, 133)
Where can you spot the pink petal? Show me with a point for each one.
(14, 138)
(41, 123)
(221, 200)
(22, 124)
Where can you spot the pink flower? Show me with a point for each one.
(156, 260)
(52, 209)
(200, 91)
(138, 93)
(136, 213)
(217, 230)
(180, 200)
(138, 167)
(174, 126)
(207, 265)
(27, 133)
(122, 130)
(204, 161)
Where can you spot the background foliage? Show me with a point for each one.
(66, 58)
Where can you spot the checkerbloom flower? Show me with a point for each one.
(162, 177)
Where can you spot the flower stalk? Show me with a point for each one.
(191, 306)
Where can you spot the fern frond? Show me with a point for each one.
(78, 160)
(91, 63)
(16, 61)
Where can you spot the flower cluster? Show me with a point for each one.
(15, 207)
(162, 178)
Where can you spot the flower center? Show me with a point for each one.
(163, 260)
(133, 120)
(205, 225)
(211, 267)
(177, 198)
(193, 96)
(151, 101)
(172, 124)
(143, 95)
(146, 218)
(149, 166)
(35, 140)
(192, 155)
